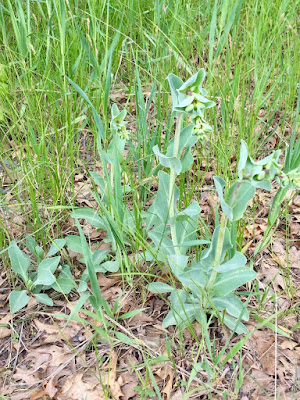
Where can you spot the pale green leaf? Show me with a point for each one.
(44, 299)
(46, 270)
(234, 325)
(175, 84)
(74, 243)
(238, 260)
(19, 261)
(65, 282)
(168, 162)
(231, 280)
(18, 300)
(56, 246)
(220, 185)
(238, 198)
(160, 287)
(90, 215)
(232, 304)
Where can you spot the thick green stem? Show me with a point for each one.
(218, 257)
(172, 184)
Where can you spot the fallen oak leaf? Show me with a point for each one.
(113, 383)
(5, 330)
(76, 388)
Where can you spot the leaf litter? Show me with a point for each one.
(53, 361)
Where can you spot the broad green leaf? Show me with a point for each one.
(220, 185)
(18, 300)
(111, 266)
(186, 140)
(182, 316)
(186, 230)
(99, 255)
(231, 280)
(44, 299)
(160, 287)
(195, 280)
(74, 243)
(208, 256)
(46, 270)
(232, 304)
(192, 210)
(175, 84)
(238, 260)
(178, 297)
(161, 204)
(238, 198)
(162, 243)
(90, 215)
(168, 162)
(39, 252)
(177, 263)
(65, 282)
(31, 244)
(102, 185)
(56, 246)
(82, 287)
(243, 158)
(234, 325)
(265, 184)
(190, 243)
(19, 261)
(194, 80)
(187, 159)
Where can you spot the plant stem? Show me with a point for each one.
(218, 252)
(172, 184)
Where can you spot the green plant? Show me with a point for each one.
(38, 273)
(208, 283)
(4, 90)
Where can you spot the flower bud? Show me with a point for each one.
(260, 176)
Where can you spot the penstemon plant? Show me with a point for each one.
(207, 285)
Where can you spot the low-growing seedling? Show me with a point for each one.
(38, 273)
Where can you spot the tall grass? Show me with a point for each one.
(111, 47)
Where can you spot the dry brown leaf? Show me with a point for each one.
(55, 333)
(106, 283)
(294, 257)
(177, 395)
(140, 319)
(4, 331)
(169, 386)
(272, 274)
(81, 386)
(128, 387)
(50, 388)
(77, 388)
(113, 383)
(44, 361)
